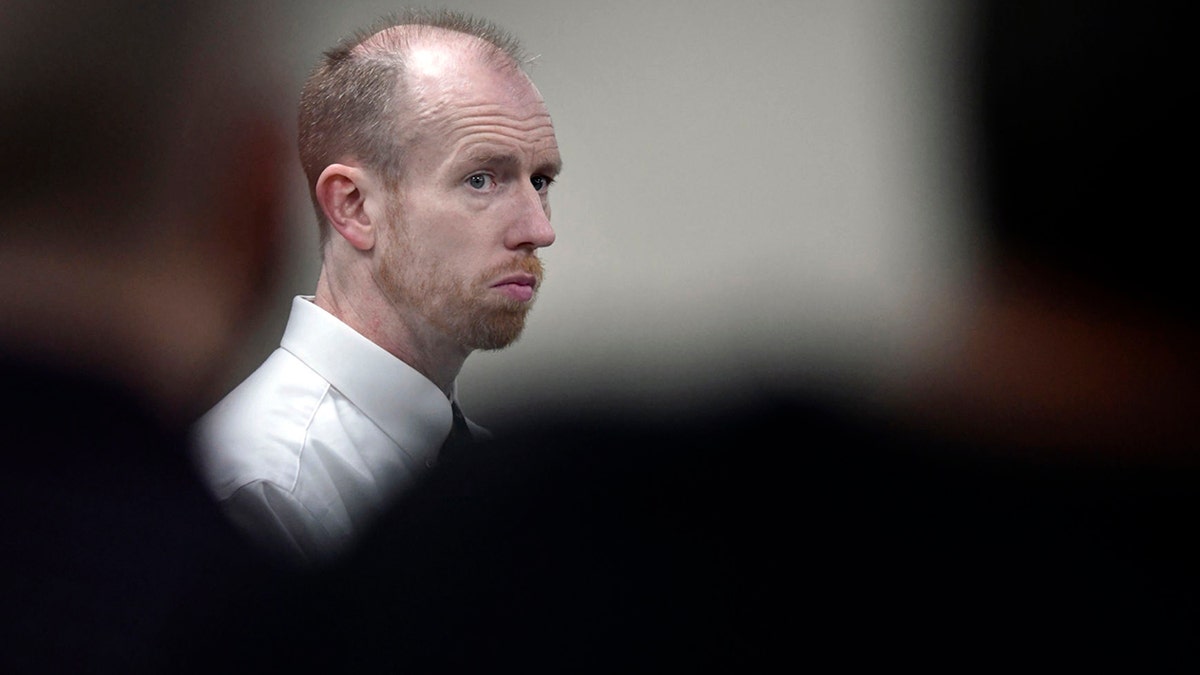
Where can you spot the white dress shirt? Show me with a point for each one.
(316, 442)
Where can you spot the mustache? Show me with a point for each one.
(527, 264)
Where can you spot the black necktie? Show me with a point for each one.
(459, 438)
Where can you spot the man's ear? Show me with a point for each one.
(343, 192)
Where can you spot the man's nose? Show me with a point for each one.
(531, 228)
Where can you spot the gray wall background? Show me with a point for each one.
(756, 193)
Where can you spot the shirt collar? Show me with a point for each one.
(405, 404)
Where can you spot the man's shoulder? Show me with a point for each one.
(257, 432)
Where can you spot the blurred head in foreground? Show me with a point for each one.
(141, 190)
(1084, 109)
(1082, 334)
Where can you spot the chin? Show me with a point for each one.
(497, 331)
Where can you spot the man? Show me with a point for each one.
(429, 154)
(140, 232)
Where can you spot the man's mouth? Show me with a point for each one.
(519, 287)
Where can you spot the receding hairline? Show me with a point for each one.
(398, 34)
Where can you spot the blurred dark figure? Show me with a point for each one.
(140, 186)
(1018, 513)
(1081, 338)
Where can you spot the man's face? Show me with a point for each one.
(471, 208)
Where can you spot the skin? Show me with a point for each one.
(160, 310)
(445, 262)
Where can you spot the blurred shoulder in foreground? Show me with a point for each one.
(792, 529)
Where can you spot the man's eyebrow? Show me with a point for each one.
(492, 158)
(551, 167)
(487, 157)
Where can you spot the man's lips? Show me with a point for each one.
(517, 286)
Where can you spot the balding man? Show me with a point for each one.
(429, 154)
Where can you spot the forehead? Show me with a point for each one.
(463, 103)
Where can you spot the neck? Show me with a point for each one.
(151, 327)
(1038, 362)
(398, 330)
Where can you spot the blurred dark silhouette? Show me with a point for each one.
(141, 226)
(1032, 504)
(1080, 338)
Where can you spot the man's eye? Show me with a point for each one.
(540, 183)
(479, 181)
